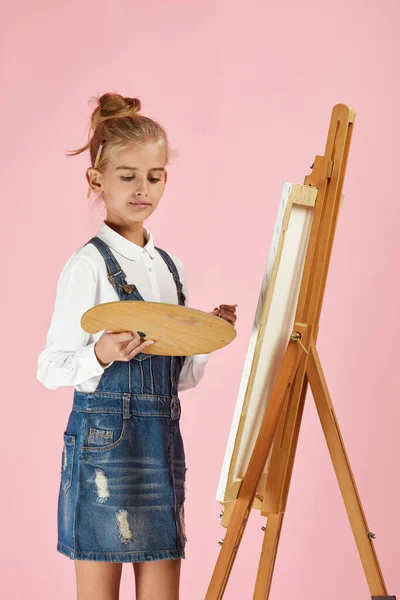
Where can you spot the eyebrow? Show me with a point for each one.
(136, 169)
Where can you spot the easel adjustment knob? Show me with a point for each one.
(221, 514)
(263, 528)
(371, 535)
(221, 541)
(296, 337)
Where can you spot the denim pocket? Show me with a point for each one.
(100, 437)
(67, 461)
(104, 431)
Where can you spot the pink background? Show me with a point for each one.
(245, 91)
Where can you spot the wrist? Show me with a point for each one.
(101, 363)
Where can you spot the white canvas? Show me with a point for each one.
(273, 342)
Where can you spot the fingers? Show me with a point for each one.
(135, 346)
(227, 315)
(226, 312)
(124, 336)
(228, 307)
(140, 348)
(133, 343)
(128, 343)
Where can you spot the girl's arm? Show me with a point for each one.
(193, 367)
(68, 358)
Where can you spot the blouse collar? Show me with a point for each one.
(123, 246)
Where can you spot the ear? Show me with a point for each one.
(95, 179)
(165, 176)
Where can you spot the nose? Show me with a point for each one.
(141, 190)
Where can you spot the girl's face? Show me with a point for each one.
(133, 182)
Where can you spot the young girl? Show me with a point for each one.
(121, 496)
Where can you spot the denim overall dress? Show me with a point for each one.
(122, 488)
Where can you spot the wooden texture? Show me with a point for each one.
(176, 330)
(272, 327)
(328, 177)
(247, 491)
(344, 474)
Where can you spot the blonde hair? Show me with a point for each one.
(116, 123)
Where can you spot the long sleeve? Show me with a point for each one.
(194, 366)
(68, 358)
(192, 371)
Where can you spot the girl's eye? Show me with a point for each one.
(152, 179)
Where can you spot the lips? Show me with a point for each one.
(139, 204)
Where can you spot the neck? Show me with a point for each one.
(134, 232)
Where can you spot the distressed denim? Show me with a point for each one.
(122, 488)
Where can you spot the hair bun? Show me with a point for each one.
(113, 121)
(134, 103)
(114, 106)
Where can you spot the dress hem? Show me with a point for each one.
(121, 557)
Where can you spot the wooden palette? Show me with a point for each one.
(176, 330)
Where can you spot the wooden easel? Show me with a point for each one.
(300, 366)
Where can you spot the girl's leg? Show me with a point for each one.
(158, 579)
(97, 580)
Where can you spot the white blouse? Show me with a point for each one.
(68, 358)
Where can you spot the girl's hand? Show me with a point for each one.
(119, 346)
(226, 312)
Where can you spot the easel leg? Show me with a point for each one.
(259, 456)
(279, 477)
(268, 556)
(278, 481)
(345, 477)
